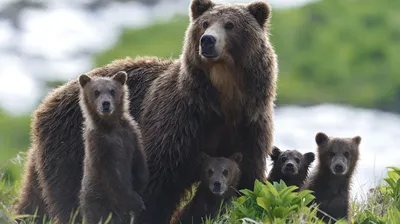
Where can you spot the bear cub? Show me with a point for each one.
(115, 167)
(331, 180)
(218, 183)
(290, 166)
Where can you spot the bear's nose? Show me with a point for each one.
(207, 41)
(106, 105)
(217, 185)
(339, 168)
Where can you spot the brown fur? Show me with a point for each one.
(178, 108)
(57, 137)
(115, 165)
(332, 191)
(208, 203)
(281, 170)
(30, 195)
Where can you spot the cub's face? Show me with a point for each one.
(220, 173)
(103, 95)
(291, 162)
(340, 155)
(222, 32)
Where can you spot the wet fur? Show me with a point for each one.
(331, 191)
(178, 108)
(303, 167)
(115, 168)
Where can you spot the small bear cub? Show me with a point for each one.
(219, 179)
(331, 178)
(290, 166)
(115, 167)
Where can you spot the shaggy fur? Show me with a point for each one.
(290, 166)
(220, 171)
(218, 105)
(115, 168)
(331, 179)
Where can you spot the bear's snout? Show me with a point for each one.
(207, 43)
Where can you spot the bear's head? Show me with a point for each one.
(220, 173)
(233, 34)
(339, 155)
(291, 162)
(103, 96)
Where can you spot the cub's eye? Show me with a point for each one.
(210, 172)
(283, 159)
(205, 25)
(112, 92)
(346, 154)
(297, 160)
(96, 93)
(225, 173)
(331, 154)
(229, 25)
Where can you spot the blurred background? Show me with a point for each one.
(338, 60)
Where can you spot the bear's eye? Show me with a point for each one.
(112, 92)
(96, 93)
(283, 159)
(205, 25)
(210, 172)
(331, 154)
(229, 25)
(346, 154)
(297, 160)
(225, 172)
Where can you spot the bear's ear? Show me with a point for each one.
(198, 7)
(83, 80)
(204, 156)
(357, 139)
(321, 138)
(276, 152)
(120, 77)
(309, 157)
(237, 157)
(261, 12)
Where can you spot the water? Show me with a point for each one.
(296, 127)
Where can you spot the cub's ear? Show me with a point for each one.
(276, 152)
(204, 156)
(309, 157)
(237, 157)
(83, 80)
(198, 7)
(321, 138)
(120, 77)
(261, 12)
(357, 139)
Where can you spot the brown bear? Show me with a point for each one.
(114, 163)
(219, 179)
(290, 166)
(331, 178)
(218, 97)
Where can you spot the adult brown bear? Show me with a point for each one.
(217, 97)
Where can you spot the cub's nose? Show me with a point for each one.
(289, 165)
(217, 185)
(106, 105)
(207, 41)
(339, 168)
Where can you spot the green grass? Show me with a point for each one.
(275, 203)
(342, 51)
